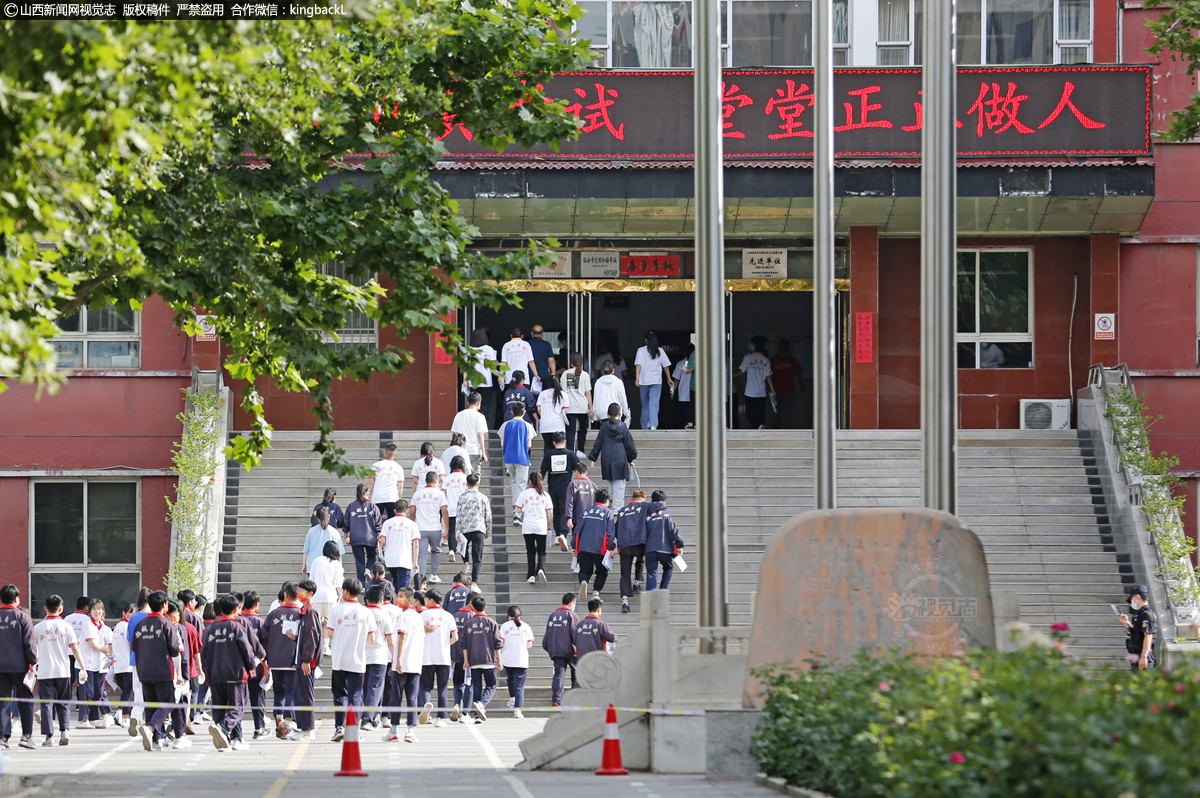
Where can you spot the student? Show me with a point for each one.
(472, 426)
(281, 657)
(328, 574)
(481, 648)
(577, 385)
(387, 483)
(615, 449)
(106, 661)
(785, 372)
(258, 697)
(182, 666)
(378, 656)
(349, 628)
(457, 449)
(462, 690)
(516, 439)
(663, 541)
(228, 660)
(441, 633)
(581, 494)
(592, 633)
(480, 380)
(536, 508)
(17, 659)
(81, 624)
(757, 370)
(407, 656)
(91, 645)
(610, 390)
(399, 538)
(52, 646)
(474, 522)
(650, 365)
(321, 533)
(310, 654)
(363, 522)
(154, 644)
(516, 637)
(208, 614)
(518, 394)
(683, 378)
(454, 486)
(595, 536)
(552, 406)
(558, 467)
(433, 521)
(517, 357)
(142, 609)
(424, 464)
(337, 518)
(121, 667)
(559, 643)
(631, 542)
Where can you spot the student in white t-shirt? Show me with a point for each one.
(441, 632)
(121, 667)
(407, 658)
(650, 366)
(433, 519)
(379, 653)
(472, 425)
(552, 405)
(517, 637)
(517, 355)
(387, 483)
(457, 449)
(349, 628)
(424, 464)
(537, 509)
(757, 369)
(54, 644)
(95, 661)
(454, 486)
(398, 539)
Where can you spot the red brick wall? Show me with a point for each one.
(156, 530)
(14, 534)
(864, 298)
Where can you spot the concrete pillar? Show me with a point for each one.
(864, 327)
(1105, 276)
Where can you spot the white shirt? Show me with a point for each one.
(91, 657)
(757, 369)
(535, 506)
(350, 622)
(328, 575)
(106, 639)
(553, 414)
(470, 423)
(393, 615)
(429, 502)
(455, 486)
(121, 647)
(516, 636)
(651, 366)
(387, 474)
(399, 533)
(576, 388)
(420, 469)
(52, 641)
(457, 451)
(410, 648)
(377, 651)
(516, 354)
(482, 375)
(81, 623)
(608, 390)
(437, 642)
(684, 379)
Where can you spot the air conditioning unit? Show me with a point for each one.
(1045, 414)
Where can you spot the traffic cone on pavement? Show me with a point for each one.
(351, 761)
(610, 761)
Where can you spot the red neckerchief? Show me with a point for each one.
(465, 608)
(591, 615)
(374, 606)
(96, 623)
(350, 601)
(80, 612)
(565, 607)
(9, 606)
(253, 612)
(209, 620)
(59, 616)
(292, 604)
(154, 615)
(227, 618)
(599, 504)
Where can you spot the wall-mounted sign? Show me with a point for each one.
(649, 264)
(208, 328)
(864, 337)
(605, 265)
(1106, 326)
(559, 267)
(764, 264)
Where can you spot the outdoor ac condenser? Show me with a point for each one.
(1045, 414)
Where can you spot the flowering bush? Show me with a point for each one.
(1034, 722)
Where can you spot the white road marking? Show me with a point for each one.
(518, 786)
(93, 763)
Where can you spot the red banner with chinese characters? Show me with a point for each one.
(649, 264)
(864, 337)
(440, 356)
(767, 113)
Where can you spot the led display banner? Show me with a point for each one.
(768, 114)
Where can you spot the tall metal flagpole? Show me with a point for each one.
(939, 371)
(712, 595)
(825, 292)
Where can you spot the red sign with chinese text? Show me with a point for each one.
(864, 337)
(649, 264)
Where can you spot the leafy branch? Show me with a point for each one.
(196, 461)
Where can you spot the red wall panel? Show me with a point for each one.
(164, 346)
(1156, 326)
(156, 530)
(864, 298)
(14, 534)
(899, 335)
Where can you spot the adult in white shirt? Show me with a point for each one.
(457, 449)
(517, 637)
(379, 652)
(398, 540)
(53, 645)
(424, 464)
(481, 380)
(473, 426)
(433, 519)
(329, 575)
(650, 366)
(608, 390)
(349, 629)
(552, 406)
(757, 369)
(387, 483)
(537, 509)
(407, 659)
(577, 385)
(517, 355)
(683, 378)
(441, 632)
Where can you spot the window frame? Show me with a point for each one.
(910, 43)
(326, 267)
(85, 337)
(978, 337)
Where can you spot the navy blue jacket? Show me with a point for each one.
(281, 649)
(591, 634)
(559, 640)
(226, 651)
(311, 643)
(482, 640)
(456, 597)
(520, 394)
(662, 534)
(615, 450)
(595, 532)
(631, 524)
(363, 522)
(16, 641)
(155, 641)
(462, 616)
(337, 518)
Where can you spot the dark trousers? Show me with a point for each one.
(535, 554)
(590, 563)
(258, 702)
(347, 691)
(460, 679)
(488, 405)
(304, 694)
(653, 560)
(404, 687)
(474, 552)
(283, 684)
(400, 577)
(364, 560)
(201, 699)
(783, 416)
(516, 684)
(577, 430)
(89, 691)
(756, 411)
(483, 685)
(386, 510)
(561, 664)
(429, 675)
(560, 507)
(373, 688)
(229, 694)
(179, 722)
(163, 693)
(58, 693)
(13, 685)
(452, 535)
(125, 682)
(631, 556)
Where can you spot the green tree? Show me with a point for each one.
(1175, 37)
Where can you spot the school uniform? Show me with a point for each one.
(350, 623)
(52, 641)
(559, 643)
(378, 656)
(16, 658)
(631, 542)
(154, 644)
(515, 637)
(480, 647)
(595, 534)
(456, 597)
(363, 521)
(84, 627)
(662, 544)
(436, 662)
(407, 655)
(310, 649)
(187, 665)
(281, 656)
(463, 614)
(581, 494)
(258, 696)
(592, 634)
(122, 670)
(228, 657)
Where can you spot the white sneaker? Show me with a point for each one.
(409, 737)
(531, 580)
(182, 742)
(440, 723)
(64, 738)
(480, 711)
(426, 711)
(147, 739)
(239, 745)
(339, 734)
(391, 737)
(512, 702)
(437, 580)
(517, 715)
(134, 722)
(218, 737)
(455, 711)
(541, 576)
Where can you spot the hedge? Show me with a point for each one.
(1034, 722)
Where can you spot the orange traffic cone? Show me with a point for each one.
(610, 761)
(351, 761)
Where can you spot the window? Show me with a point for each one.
(995, 311)
(1010, 31)
(84, 542)
(360, 329)
(100, 338)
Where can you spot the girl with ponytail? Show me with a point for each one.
(425, 463)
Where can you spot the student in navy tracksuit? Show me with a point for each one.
(310, 652)
(228, 659)
(258, 697)
(461, 690)
(662, 541)
(480, 653)
(281, 657)
(174, 613)
(458, 595)
(595, 535)
(154, 643)
(592, 633)
(631, 542)
(16, 659)
(559, 643)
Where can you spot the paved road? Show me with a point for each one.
(458, 760)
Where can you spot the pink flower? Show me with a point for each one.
(1154, 709)
(1114, 737)
(957, 758)
(1179, 688)
(884, 687)
(1170, 705)
(1061, 627)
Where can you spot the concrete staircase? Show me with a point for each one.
(1032, 497)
